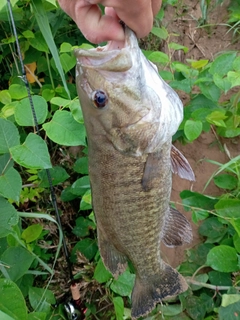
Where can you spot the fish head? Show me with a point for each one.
(122, 96)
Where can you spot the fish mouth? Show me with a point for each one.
(115, 56)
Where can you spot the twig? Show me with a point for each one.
(209, 286)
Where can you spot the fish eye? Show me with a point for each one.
(99, 98)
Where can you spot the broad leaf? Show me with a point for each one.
(9, 135)
(58, 175)
(32, 233)
(63, 129)
(8, 217)
(18, 261)
(12, 301)
(33, 153)
(101, 274)
(123, 284)
(118, 307)
(192, 129)
(41, 299)
(222, 64)
(10, 184)
(23, 112)
(223, 258)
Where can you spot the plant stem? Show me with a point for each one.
(209, 286)
(49, 69)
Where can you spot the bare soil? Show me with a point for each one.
(203, 43)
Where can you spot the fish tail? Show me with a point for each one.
(148, 292)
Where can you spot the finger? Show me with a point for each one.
(94, 26)
(111, 12)
(156, 5)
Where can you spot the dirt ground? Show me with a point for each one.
(203, 43)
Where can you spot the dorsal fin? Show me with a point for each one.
(180, 165)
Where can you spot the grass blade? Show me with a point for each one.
(45, 29)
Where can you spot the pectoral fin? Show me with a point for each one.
(150, 171)
(180, 165)
(177, 229)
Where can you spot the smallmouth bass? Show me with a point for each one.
(130, 115)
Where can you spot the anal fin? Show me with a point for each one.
(114, 261)
(180, 165)
(148, 292)
(177, 229)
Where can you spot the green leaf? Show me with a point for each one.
(101, 274)
(177, 46)
(199, 64)
(160, 32)
(223, 63)
(228, 299)
(171, 309)
(4, 316)
(192, 129)
(10, 184)
(223, 258)
(197, 200)
(234, 78)
(184, 85)
(228, 208)
(19, 261)
(236, 64)
(198, 215)
(213, 229)
(33, 153)
(124, 284)
(61, 102)
(83, 227)
(8, 217)
(37, 316)
(118, 307)
(41, 299)
(226, 181)
(58, 175)
(23, 112)
(38, 42)
(66, 47)
(87, 246)
(68, 62)
(12, 301)
(217, 117)
(32, 233)
(63, 129)
(18, 91)
(220, 278)
(203, 278)
(81, 165)
(76, 111)
(231, 312)
(86, 201)
(159, 57)
(5, 97)
(80, 186)
(210, 90)
(9, 135)
(222, 83)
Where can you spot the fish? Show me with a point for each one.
(130, 115)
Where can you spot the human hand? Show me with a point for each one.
(136, 14)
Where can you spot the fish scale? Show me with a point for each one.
(129, 131)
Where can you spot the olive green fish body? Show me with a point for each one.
(130, 116)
